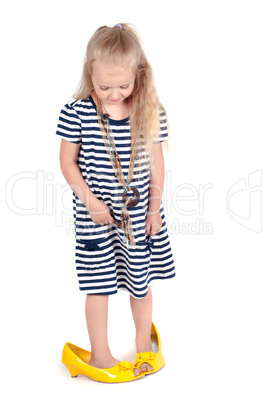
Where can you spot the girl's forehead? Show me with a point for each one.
(112, 71)
(112, 67)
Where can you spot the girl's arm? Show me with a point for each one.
(153, 220)
(99, 211)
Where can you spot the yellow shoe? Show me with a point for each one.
(77, 362)
(155, 359)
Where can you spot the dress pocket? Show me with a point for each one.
(139, 257)
(146, 244)
(94, 253)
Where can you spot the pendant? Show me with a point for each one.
(133, 200)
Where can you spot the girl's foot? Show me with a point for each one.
(144, 347)
(109, 362)
(144, 367)
(103, 362)
(137, 371)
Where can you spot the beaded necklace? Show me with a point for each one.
(125, 222)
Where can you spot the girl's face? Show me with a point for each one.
(112, 83)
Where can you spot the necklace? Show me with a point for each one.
(125, 223)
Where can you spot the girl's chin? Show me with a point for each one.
(115, 100)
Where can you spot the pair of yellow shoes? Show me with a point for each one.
(77, 361)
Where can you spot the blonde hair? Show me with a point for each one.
(115, 45)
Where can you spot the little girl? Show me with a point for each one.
(111, 155)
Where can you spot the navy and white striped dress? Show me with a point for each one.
(104, 264)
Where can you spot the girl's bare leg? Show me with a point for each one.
(142, 315)
(96, 311)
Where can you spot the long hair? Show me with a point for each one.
(115, 45)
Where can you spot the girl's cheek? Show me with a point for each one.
(104, 94)
(100, 94)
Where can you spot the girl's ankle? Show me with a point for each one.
(143, 345)
(103, 361)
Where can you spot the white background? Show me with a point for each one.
(209, 63)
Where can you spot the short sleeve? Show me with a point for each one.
(163, 132)
(69, 124)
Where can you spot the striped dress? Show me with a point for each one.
(104, 264)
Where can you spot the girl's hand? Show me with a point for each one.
(153, 223)
(100, 213)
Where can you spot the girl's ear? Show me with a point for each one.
(89, 82)
(143, 78)
(139, 77)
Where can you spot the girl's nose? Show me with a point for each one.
(114, 94)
